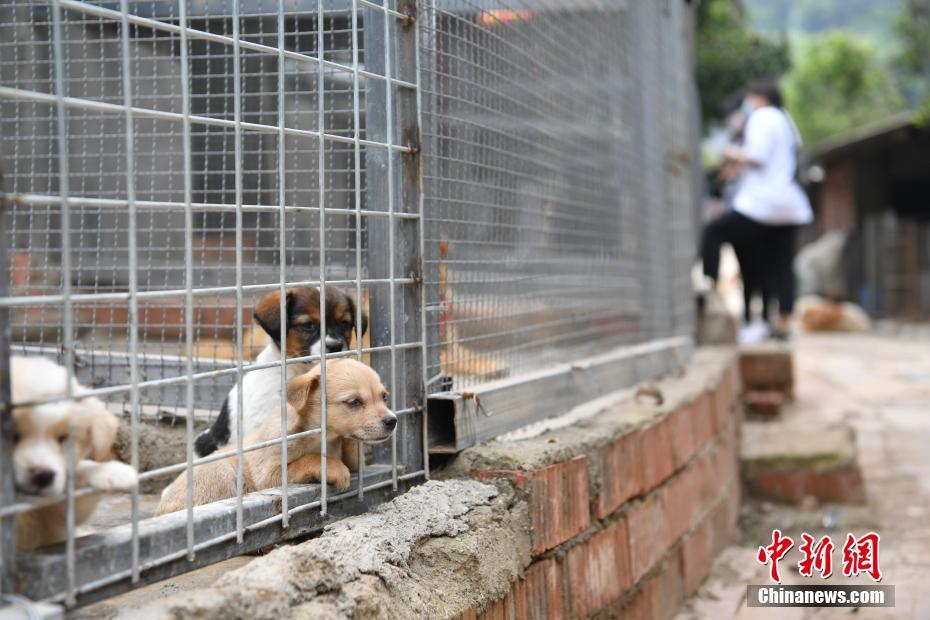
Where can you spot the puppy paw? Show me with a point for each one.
(113, 476)
(338, 475)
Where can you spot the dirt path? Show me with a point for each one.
(881, 386)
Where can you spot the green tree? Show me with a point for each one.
(837, 84)
(913, 61)
(730, 54)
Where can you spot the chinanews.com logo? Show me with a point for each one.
(858, 556)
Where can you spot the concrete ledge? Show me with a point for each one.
(788, 462)
(432, 552)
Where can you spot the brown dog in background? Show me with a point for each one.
(356, 410)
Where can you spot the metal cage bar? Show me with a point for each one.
(506, 189)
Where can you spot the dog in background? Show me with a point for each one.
(356, 410)
(818, 314)
(261, 389)
(39, 451)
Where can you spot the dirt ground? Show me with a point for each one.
(880, 385)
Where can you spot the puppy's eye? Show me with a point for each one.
(16, 437)
(384, 396)
(307, 327)
(63, 438)
(355, 402)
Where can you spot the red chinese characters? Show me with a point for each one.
(774, 552)
(817, 557)
(860, 555)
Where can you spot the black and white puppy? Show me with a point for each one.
(261, 389)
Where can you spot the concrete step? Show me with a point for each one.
(792, 461)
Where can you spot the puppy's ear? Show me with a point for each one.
(302, 388)
(357, 314)
(268, 313)
(95, 422)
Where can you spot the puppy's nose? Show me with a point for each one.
(41, 477)
(389, 421)
(334, 345)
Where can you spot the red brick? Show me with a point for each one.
(843, 485)
(733, 501)
(704, 479)
(766, 367)
(599, 570)
(680, 504)
(696, 557)
(682, 435)
(658, 598)
(725, 462)
(621, 466)
(648, 535)
(765, 403)
(703, 420)
(724, 403)
(559, 503)
(670, 593)
(544, 590)
(643, 605)
(723, 520)
(511, 607)
(656, 447)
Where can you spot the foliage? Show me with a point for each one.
(798, 19)
(913, 60)
(838, 84)
(729, 55)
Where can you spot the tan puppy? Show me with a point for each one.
(356, 410)
(39, 452)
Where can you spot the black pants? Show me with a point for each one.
(765, 254)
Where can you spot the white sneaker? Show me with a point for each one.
(757, 331)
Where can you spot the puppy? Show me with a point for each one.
(356, 410)
(817, 314)
(39, 451)
(261, 389)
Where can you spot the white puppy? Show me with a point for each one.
(41, 420)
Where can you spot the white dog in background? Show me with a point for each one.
(39, 452)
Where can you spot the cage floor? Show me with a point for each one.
(115, 510)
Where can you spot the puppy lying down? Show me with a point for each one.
(40, 444)
(356, 410)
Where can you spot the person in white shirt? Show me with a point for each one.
(769, 204)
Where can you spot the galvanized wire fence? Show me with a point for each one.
(503, 188)
(560, 212)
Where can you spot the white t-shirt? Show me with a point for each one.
(769, 194)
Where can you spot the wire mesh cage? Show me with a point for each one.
(558, 231)
(501, 187)
(97, 187)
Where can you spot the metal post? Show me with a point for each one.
(64, 190)
(428, 143)
(188, 276)
(7, 492)
(393, 187)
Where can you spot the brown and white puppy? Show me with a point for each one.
(39, 453)
(261, 389)
(356, 410)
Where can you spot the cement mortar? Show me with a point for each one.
(435, 551)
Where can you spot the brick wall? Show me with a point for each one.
(629, 508)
